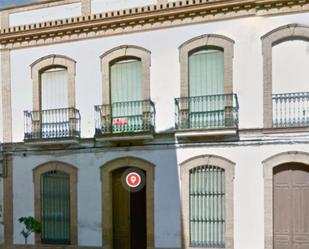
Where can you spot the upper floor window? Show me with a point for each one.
(54, 114)
(53, 79)
(285, 75)
(126, 92)
(206, 72)
(54, 88)
(126, 80)
(206, 95)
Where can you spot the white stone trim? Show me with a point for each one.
(6, 95)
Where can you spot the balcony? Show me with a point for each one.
(290, 109)
(125, 121)
(209, 115)
(52, 125)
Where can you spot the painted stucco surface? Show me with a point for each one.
(247, 74)
(98, 6)
(248, 189)
(290, 75)
(45, 14)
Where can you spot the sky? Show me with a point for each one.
(9, 3)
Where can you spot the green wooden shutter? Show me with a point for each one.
(206, 86)
(127, 95)
(207, 206)
(55, 208)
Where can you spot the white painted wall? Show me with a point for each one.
(45, 14)
(98, 6)
(248, 190)
(165, 84)
(248, 77)
(290, 67)
(167, 208)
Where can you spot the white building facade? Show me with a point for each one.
(208, 99)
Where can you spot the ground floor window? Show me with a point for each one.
(207, 214)
(55, 208)
(207, 202)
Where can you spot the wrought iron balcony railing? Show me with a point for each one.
(291, 109)
(125, 117)
(204, 112)
(53, 123)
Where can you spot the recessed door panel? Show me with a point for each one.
(291, 207)
(121, 213)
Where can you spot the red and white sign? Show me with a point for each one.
(120, 121)
(133, 180)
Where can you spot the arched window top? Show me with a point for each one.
(274, 37)
(125, 54)
(48, 64)
(124, 59)
(208, 43)
(213, 160)
(284, 33)
(125, 50)
(206, 50)
(53, 69)
(56, 173)
(50, 61)
(55, 166)
(207, 40)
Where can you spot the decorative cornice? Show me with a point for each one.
(142, 18)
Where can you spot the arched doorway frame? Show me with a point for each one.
(107, 206)
(268, 165)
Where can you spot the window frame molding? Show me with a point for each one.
(212, 40)
(45, 63)
(229, 168)
(72, 172)
(268, 165)
(106, 186)
(125, 51)
(269, 40)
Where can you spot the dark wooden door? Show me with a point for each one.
(121, 213)
(138, 219)
(129, 215)
(291, 207)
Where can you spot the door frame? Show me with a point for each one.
(107, 198)
(268, 165)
